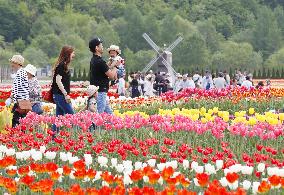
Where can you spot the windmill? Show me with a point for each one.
(160, 55)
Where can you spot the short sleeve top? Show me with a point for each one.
(65, 79)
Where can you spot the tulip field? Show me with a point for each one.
(194, 142)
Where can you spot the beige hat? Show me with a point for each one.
(148, 76)
(17, 59)
(92, 89)
(30, 69)
(114, 48)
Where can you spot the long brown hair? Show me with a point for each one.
(64, 57)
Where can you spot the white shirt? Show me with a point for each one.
(187, 84)
(148, 88)
(247, 84)
(220, 83)
(121, 86)
(20, 89)
(205, 81)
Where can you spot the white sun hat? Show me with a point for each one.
(17, 59)
(30, 69)
(114, 48)
(92, 89)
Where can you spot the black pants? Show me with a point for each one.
(16, 116)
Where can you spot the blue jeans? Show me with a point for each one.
(37, 108)
(103, 103)
(62, 108)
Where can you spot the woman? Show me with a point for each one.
(134, 85)
(34, 89)
(20, 89)
(148, 86)
(61, 82)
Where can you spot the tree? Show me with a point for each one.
(276, 60)
(84, 76)
(19, 45)
(75, 76)
(259, 75)
(277, 74)
(264, 75)
(266, 34)
(79, 76)
(236, 55)
(36, 57)
(49, 44)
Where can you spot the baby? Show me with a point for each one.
(116, 60)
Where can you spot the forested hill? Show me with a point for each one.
(217, 33)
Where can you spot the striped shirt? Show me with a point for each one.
(20, 89)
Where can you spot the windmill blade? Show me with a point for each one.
(169, 66)
(151, 63)
(174, 44)
(153, 45)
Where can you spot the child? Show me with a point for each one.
(116, 60)
(92, 102)
(92, 95)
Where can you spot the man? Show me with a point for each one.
(207, 81)
(20, 89)
(220, 82)
(247, 83)
(186, 83)
(100, 75)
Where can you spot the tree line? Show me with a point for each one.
(217, 33)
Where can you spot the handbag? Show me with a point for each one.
(48, 96)
(24, 106)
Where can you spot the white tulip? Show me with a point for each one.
(102, 161)
(42, 149)
(161, 166)
(146, 179)
(19, 155)
(119, 168)
(37, 155)
(246, 184)
(223, 181)
(152, 162)
(63, 156)
(50, 155)
(138, 165)
(185, 164)
(60, 171)
(233, 186)
(255, 186)
(161, 181)
(113, 162)
(98, 176)
(195, 180)
(71, 176)
(10, 152)
(11, 167)
(210, 169)
(127, 166)
(175, 174)
(261, 167)
(88, 159)
(219, 164)
(127, 180)
(26, 155)
(17, 179)
(3, 148)
(104, 183)
(236, 168)
(247, 170)
(174, 164)
(272, 171)
(281, 172)
(199, 169)
(194, 165)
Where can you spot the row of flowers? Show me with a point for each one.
(47, 171)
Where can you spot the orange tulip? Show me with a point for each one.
(66, 170)
(24, 170)
(232, 177)
(274, 180)
(135, 191)
(153, 177)
(264, 187)
(59, 191)
(136, 175)
(107, 177)
(54, 175)
(203, 179)
(51, 167)
(185, 192)
(91, 173)
(79, 165)
(118, 191)
(27, 180)
(11, 172)
(105, 190)
(167, 172)
(92, 191)
(76, 189)
(80, 174)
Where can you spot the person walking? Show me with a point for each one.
(101, 74)
(61, 82)
(220, 82)
(34, 89)
(148, 86)
(20, 89)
